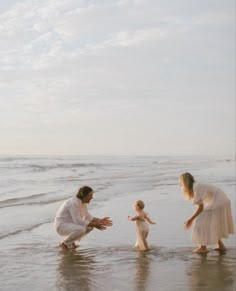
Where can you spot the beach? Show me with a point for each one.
(33, 188)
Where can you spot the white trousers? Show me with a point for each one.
(72, 232)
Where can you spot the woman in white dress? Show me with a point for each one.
(212, 218)
(142, 229)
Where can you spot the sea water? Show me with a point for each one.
(33, 187)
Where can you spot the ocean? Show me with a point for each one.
(33, 187)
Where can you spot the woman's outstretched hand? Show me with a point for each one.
(106, 221)
(100, 224)
(187, 224)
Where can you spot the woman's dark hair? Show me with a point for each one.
(83, 191)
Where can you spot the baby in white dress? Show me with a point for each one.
(142, 229)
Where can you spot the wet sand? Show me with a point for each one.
(117, 268)
(108, 260)
(158, 269)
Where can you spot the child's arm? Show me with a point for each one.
(136, 217)
(149, 220)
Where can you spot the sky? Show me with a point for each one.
(117, 77)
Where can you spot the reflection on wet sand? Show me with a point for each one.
(75, 271)
(212, 272)
(142, 270)
(123, 268)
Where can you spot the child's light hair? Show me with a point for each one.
(140, 204)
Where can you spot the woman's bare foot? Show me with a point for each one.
(201, 250)
(73, 246)
(63, 246)
(220, 247)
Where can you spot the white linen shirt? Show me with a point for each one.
(73, 211)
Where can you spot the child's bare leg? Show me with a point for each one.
(221, 246)
(146, 245)
(145, 235)
(201, 250)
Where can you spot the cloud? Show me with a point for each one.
(136, 37)
(39, 35)
(132, 2)
(71, 61)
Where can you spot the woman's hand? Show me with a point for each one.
(106, 221)
(99, 225)
(188, 223)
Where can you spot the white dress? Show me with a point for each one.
(215, 221)
(142, 230)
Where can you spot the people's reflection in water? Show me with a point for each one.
(142, 270)
(75, 271)
(208, 272)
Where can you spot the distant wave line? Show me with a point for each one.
(28, 200)
(52, 166)
(25, 229)
(29, 197)
(34, 203)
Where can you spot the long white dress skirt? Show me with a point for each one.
(212, 225)
(142, 230)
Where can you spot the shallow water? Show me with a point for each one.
(117, 268)
(33, 188)
(158, 269)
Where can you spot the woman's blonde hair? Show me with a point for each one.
(140, 204)
(187, 179)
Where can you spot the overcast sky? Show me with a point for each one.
(140, 77)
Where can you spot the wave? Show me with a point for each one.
(30, 228)
(32, 200)
(41, 168)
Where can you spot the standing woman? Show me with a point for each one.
(212, 218)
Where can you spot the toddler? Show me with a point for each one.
(141, 218)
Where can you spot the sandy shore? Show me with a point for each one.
(108, 261)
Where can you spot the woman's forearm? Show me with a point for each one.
(197, 212)
(189, 221)
(95, 219)
(94, 222)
